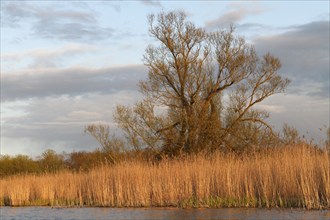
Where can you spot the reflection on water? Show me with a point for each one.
(157, 213)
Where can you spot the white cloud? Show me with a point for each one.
(272, 108)
(44, 57)
(72, 81)
(304, 53)
(54, 21)
(153, 3)
(234, 14)
(58, 122)
(305, 113)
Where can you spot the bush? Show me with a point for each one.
(19, 164)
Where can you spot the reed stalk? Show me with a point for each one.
(297, 176)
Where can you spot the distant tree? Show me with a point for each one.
(110, 144)
(19, 164)
(87, 160)
(190, 73)
(50, 161)
(290, 135)
(327, 142)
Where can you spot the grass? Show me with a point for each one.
(297, 176)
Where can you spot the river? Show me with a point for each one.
(38, 213)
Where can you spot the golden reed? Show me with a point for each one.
(283, 177)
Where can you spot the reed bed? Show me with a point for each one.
(296, 176)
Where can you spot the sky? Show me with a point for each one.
(67, 64)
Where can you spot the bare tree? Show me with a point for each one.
(290, 135)
(327, 142)
(190, 71)
(110, 144)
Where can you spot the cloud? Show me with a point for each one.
(70, 81)
(71, 31)
(45, 57)
(235, 14)
(117, 8)
(18, 11)
(254, 27)
(57, 122)
(304, 53)
(54, 22)
(153, 3)
(305, 113)
(272, 108)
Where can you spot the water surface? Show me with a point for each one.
(38, 213)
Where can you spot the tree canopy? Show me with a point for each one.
(206, 85)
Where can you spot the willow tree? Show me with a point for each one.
(191, 74)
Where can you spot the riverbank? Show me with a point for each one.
(297, 176)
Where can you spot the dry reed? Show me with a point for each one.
(283, 177)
